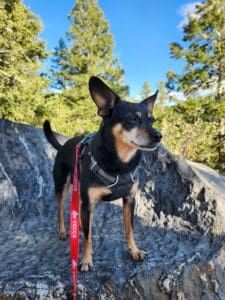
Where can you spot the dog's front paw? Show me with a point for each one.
(86, 264)
(62, 235)
(138, 255)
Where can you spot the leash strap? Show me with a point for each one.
(74, 225)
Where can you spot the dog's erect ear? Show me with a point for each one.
(150, 101)
(102, 95)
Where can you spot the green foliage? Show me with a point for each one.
(89, 51)
(204, 54)
(200, 119)
(21, 52)
(190, 129)
(146, 90)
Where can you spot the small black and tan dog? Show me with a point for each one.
(110, 160)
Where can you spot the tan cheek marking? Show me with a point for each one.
(124, 150)
(96, 193)
(117, 131)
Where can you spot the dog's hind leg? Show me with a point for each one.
(86, 220)
(62, 181)
(128, 209)
(60, 197)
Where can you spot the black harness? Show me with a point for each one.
(118, 183)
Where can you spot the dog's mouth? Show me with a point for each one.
(146, 147)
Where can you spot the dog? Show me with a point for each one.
(109, 165)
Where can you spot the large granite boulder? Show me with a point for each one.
(179, 220)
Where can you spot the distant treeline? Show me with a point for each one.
(193, 126)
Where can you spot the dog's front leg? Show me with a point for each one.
(89, 201)
(128, 211)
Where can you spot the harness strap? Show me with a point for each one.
(107, 179)
(97, 170)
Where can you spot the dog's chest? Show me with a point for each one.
(121, 189)
(120, 185)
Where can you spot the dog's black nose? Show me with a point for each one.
(156, 137)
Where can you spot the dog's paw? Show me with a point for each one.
(62, 235)
(138, 255)
(86, 264)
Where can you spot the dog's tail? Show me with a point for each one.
(50, 135)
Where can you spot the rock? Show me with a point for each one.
(179, 220)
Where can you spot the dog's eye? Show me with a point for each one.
(132, 119)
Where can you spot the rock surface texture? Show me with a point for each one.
(179, 220)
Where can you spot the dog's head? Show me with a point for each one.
(131, 123)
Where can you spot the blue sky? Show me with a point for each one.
(142, 31)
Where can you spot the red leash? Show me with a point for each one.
(74, 225)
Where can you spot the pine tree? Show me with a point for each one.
(89, 51)
(204, 53)
(21, 52)
(146, 90)
(204, 70)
